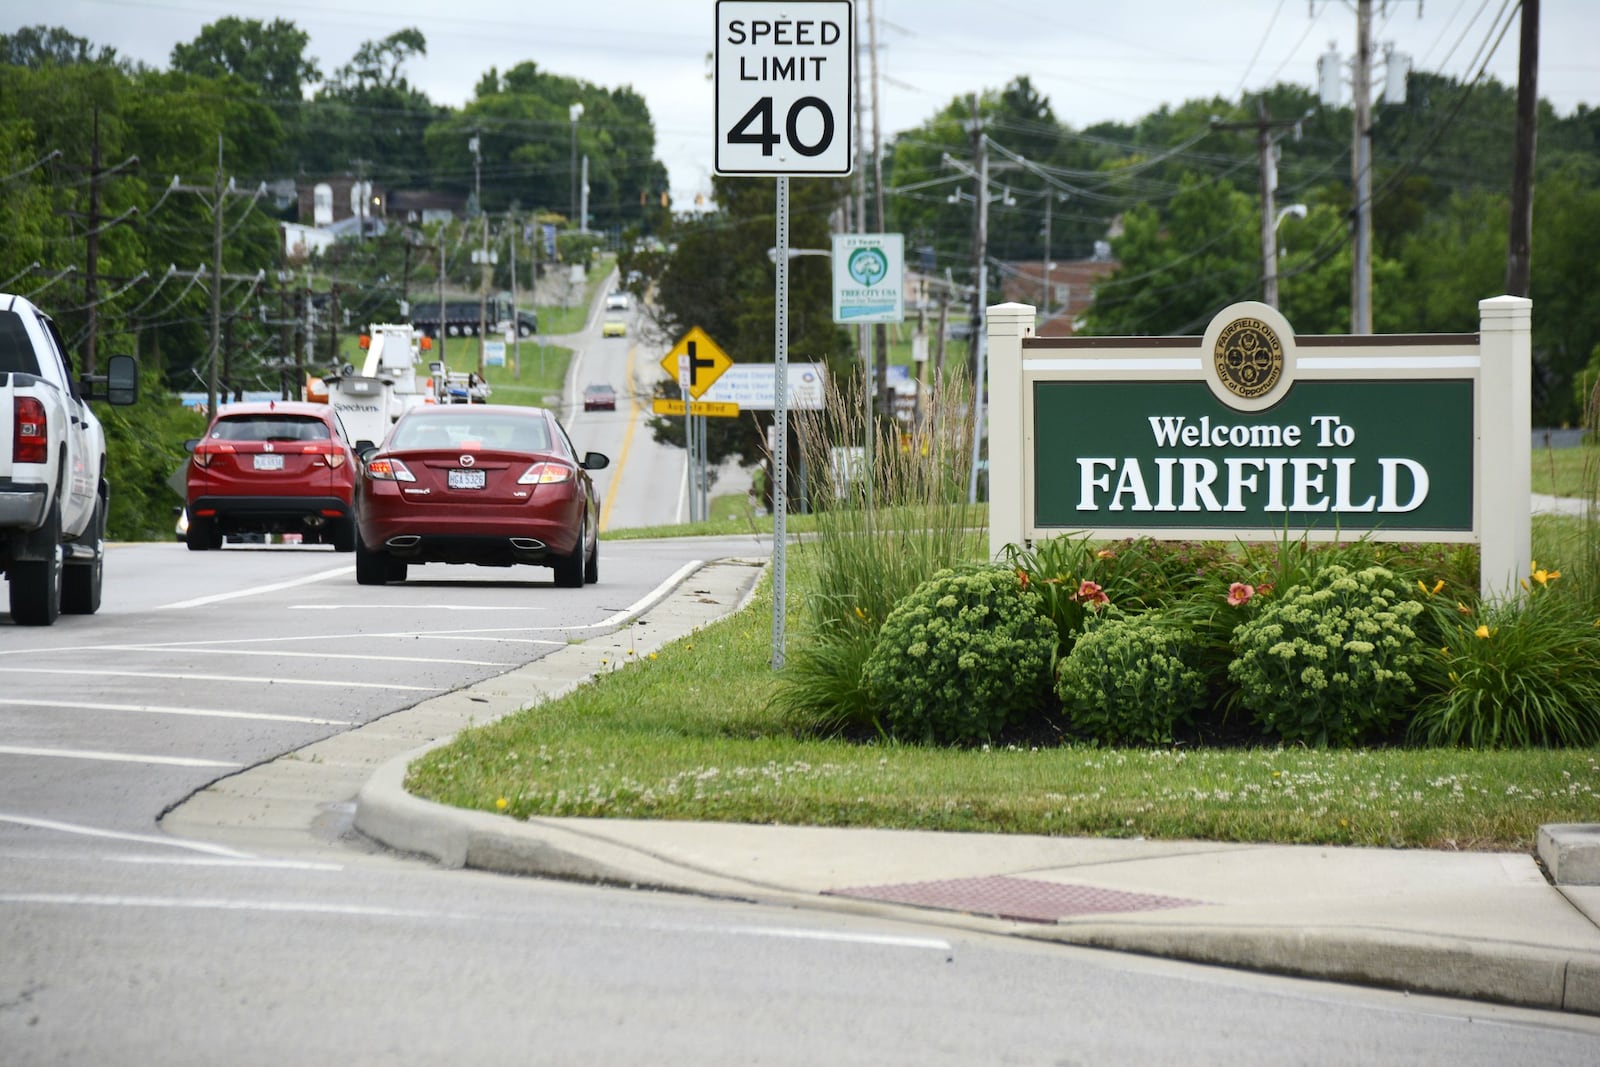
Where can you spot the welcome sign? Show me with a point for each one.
(1251, 433)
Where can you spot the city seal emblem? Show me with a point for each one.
(1249, 358)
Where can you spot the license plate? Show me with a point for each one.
(460, 479)
(267, 461)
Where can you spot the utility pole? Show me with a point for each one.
(94, 226)
(881, 330)
(1267, 153)
(217, 193)
(1519, 250)
(516, 325)
(980, 146)
(1361, 172)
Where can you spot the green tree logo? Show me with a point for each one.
(868, 266)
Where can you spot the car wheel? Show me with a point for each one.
(81, 582)
(569, 568)
(373, 567)
(203, 534)
(591, 569)
(343, 535)
(36, 583)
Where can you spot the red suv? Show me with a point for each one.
(273, 467)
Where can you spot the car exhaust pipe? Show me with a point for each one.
(403, 541)
(527, 544)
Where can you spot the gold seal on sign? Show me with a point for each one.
(1249, 358)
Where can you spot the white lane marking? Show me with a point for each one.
(429, 608)
(883, 940)
(194, 650)
(282, 907)
(236, 594)
(186, 861)
(112, 757)
(118, 835)
(231, 678)
(156, 709)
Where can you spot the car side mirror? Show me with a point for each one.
(594, 461)
(189, 445)
(119, 385)
(363, 447)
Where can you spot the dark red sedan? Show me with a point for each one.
(488, 484)
(277, 466)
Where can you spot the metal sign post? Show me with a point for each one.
(784, 83)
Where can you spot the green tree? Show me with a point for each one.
(37, 46)
(270, 56)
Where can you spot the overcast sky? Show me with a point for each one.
(1095, 60)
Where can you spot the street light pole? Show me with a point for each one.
(576, 113)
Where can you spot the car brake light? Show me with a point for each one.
(331, 453)
(545, 474)
(389, 470)
(31, 439)
(206, 451)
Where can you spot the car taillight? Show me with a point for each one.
(30, 442)
(331, 453)
(545, 474)
(206, 451)
(389, 470)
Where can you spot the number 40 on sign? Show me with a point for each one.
(784, 73)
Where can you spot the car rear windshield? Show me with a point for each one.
(438, 431)
(270, 428)
(16, 351)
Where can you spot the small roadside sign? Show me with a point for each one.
(869, 272)
(695, 362)
(709, 408)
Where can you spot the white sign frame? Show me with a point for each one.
(858, 301)
(785, 77)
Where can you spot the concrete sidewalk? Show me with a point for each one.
(1478, 925)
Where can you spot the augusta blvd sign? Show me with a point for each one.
(1253, 433)
(753, 386)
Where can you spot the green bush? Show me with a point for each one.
(963, 658)
(1517, 674)
(1131, 679)
(1333, 662)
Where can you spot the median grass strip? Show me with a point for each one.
(691, 732)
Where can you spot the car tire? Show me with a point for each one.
(372, 566)
(82, 582)
(343, 536)
(591, 569)
(36, 583)
(569, 568)
(203, 535)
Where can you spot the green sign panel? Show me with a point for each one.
(1346, 455)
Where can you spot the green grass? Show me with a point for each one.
(1565, 471)
(690, 733)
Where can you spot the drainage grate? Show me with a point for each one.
(1014, 898)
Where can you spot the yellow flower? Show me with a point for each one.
(863, 615)
(1430, 592)
(1462, 608)
(652, 655)
(502, 803)
(1482, 631)
(1544, 577)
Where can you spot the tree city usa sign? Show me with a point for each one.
(1251, 432)
(783, 74)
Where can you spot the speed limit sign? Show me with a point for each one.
(785, 73)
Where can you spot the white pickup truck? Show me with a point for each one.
(53, 490)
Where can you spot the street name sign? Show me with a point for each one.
(784, 74)
(695, 362)
(708, 408)
(753, 386)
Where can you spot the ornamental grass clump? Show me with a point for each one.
(1132, 680)
(1523, 673)
(964, 658)
(1331, 663)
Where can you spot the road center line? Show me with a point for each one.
(156, 709)
(230, 678)
(237, 593)
(118, 835)
(198, 651)
(223, 904)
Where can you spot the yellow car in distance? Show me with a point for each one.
(614, 328)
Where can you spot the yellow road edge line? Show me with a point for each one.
(627, 443)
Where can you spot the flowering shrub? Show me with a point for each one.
(1131, 679)
(1520, 673)
(1332, 662)
(962, 658)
